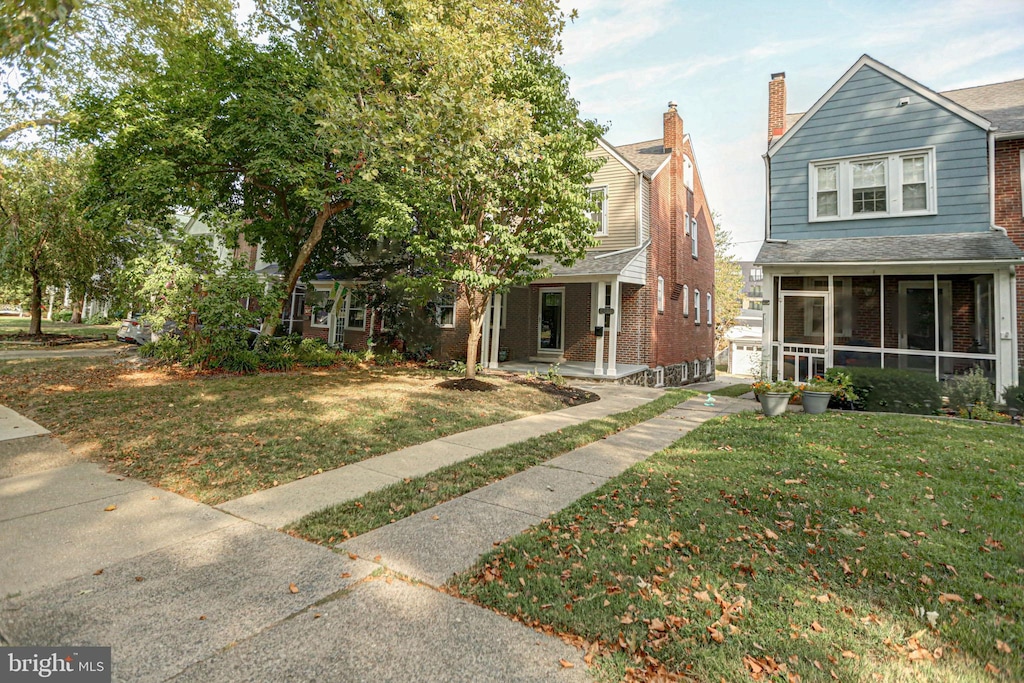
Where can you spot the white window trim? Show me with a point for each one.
(686, 223)
(438, 306)
(686, 301)
(330, 309)
(694, 229)
(602, 230)
(696, 306)
(540, 317)
(710, 318)
(1022, 181)
(348, 308)
(661, 294)
(893, 179)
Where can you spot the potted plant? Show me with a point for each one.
(816, 395)
(819, 391)
(774, 396)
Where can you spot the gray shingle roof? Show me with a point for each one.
(647, 156)
(791, 119)
(594, 263)
(1000, 103)
(991, 245)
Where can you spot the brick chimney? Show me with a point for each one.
(777, 106)
(673, 128)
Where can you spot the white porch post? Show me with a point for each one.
(496, 305)
(613, 327)
(768, 331)
(49, 310)
(1005, 332)
(485, 334)
(597, 320)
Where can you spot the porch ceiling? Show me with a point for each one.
(992, 246)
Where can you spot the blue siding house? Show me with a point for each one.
(881, 247)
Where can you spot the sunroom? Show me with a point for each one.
(937, 304)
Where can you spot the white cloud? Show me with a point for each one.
(606, 27)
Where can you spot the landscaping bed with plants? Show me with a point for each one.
(214, 437)
(843, 546)
(14, 333)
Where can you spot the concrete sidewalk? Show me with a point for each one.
(278, 506)
(184, 592)
(49, 352)
(434, 544)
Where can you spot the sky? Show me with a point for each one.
(627, 59)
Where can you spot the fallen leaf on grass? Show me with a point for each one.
(566, 664)
(110, 508)
(293, 588)
(815, 626)
(1003, 647)
(949, 597)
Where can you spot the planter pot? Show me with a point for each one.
(816, 402)
(774, 403)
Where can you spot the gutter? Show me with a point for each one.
(883, 264)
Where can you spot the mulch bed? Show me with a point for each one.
(570, 396)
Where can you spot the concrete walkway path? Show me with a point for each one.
(432, 545)
(276, 507)
(49, 352)
(184, 592)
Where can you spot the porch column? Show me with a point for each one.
(1005, 332)
(485, 334)
(495, 329)
(597, 320)
(768, 329)
(49, 310)
(613, 327)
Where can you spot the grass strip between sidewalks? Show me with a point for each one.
(381, 507)
(733, 391)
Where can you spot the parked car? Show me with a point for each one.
(133, 331)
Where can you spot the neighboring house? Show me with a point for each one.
(886, 228)
(753, 285)
(639, 308)
(744, 350)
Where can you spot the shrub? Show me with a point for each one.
(388, 358)
(265, 344)
(172, 349)
(62, 316)
(350, 358)
(147, 350)
(276, 360)
(242, 361)
(889, 390)
(971, 387)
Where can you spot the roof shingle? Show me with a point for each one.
(991, 245)
(1000, 103)
(648, 156)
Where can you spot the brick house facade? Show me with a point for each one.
(653, 210)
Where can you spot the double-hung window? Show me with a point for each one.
(599, 195)
(876, 186)
(355, 311)
(696, 307)
(686, 301)
(709, 319)
(444, 308)
(693, 237)
(661, 294)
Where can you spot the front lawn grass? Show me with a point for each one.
(733, 390)
(842, 547)
(389, 504)
(216, 438)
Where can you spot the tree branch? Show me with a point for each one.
(28, 123)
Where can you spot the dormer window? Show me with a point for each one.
(876, 186)
(599, 215)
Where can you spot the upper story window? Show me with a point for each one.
(600, 214)
(686, 301)
(661, 294)
(756, 274)
(876, 186)
(693, 235)
(686, 223)
(687, 172)
(696, 307)
(710, 317)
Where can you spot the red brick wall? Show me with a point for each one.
(1010, 215)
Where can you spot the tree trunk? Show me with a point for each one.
(35, 325)
(477, 309)
(76, 310)
(328, 211)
